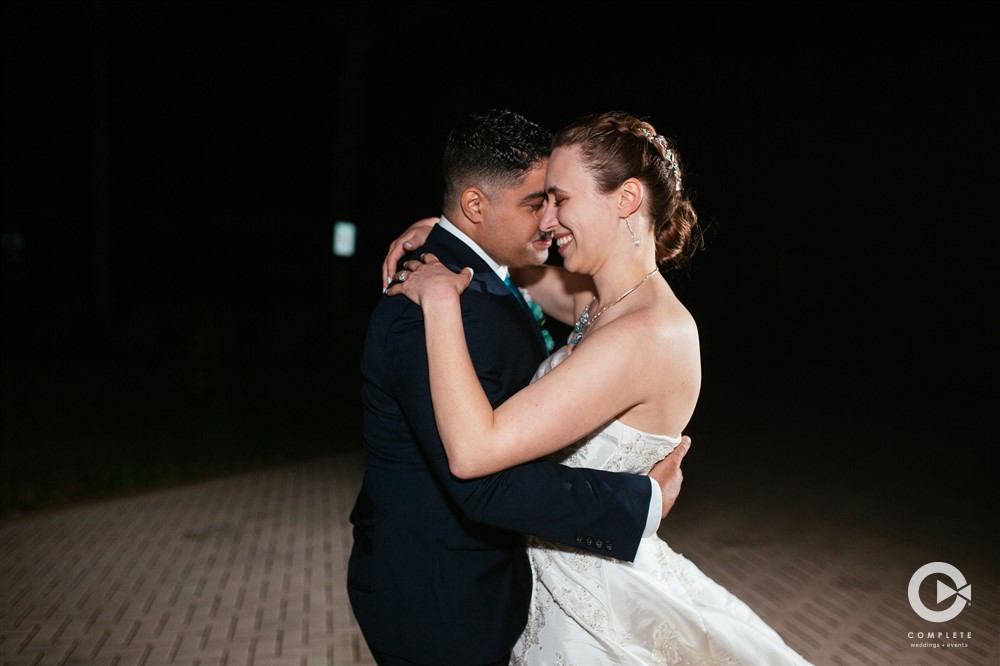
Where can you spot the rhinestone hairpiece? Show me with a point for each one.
(668, 155)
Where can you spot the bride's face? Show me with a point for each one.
(580, 215)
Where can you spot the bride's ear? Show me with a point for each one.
(474, 204)
(629, 197)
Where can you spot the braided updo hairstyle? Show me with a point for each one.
(617, 146)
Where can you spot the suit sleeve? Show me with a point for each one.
(597, 511)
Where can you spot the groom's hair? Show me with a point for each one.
(492, 150)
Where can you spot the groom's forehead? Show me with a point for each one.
(526, 191)
(532, 186)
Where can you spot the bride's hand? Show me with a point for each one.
(427, 279)
(409, 240)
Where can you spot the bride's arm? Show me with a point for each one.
(560, 408)
(414, 236)
(558, 292)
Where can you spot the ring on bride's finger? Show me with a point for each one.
(401, 276)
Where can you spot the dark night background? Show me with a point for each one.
(172, 171)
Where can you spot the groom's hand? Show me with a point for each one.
(668, 474)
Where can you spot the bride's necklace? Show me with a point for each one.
(586, 321)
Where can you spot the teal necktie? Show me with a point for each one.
(534, 310)
(517, 292)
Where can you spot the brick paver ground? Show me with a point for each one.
(250, 570)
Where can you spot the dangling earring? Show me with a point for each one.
(635, 241)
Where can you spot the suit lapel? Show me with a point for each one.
(519, 310)
(456, 255)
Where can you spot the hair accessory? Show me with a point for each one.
(668, 155)
(635, 241)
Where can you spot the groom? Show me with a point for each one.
(438, 573)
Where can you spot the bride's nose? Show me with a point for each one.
(548, 221)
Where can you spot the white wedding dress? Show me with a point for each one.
(591, 610)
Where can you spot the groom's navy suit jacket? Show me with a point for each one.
(438, 573)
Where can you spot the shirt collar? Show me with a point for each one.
(499, 269)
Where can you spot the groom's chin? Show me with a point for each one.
(540, 253)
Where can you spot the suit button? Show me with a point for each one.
(579, 538)
(599, 543)
(608, 545)
(590, 541)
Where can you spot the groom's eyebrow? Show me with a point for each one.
(534, 195)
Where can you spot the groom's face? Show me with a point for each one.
(512, 234)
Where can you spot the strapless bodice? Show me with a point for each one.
(615, 447)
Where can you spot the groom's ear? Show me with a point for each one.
(474, 204)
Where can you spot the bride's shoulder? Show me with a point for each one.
(663, 311)
(666, 322)
(659, 334)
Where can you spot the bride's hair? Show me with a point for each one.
(617, 146)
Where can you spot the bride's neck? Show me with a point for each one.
(610, 285)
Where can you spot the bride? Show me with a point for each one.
(617, 396)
